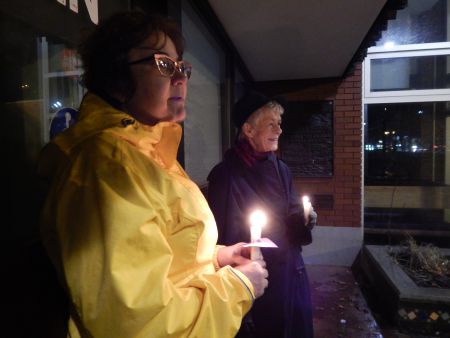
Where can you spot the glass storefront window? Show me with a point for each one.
(40, 76)
(407, 123)
(203, 124)
(406, 160)
(405, 143)
(61, 80)
(407, 73)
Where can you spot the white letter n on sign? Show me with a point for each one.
(91, 5)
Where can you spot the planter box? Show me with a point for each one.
(422, 309)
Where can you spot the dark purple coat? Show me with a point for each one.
(234, 191)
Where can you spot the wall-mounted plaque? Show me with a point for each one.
(306, 144)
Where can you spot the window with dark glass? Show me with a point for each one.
(40, 77)
(410, 73)
(407, 124)
(405, 143)
(405, 152)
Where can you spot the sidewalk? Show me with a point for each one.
(340, 309)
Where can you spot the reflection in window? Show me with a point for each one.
(422, 21)
(405, 166)
(409, 73)
(40, 76)
(405, 143)
(61, 75)
(203, 124)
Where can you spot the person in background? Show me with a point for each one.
(252, 177)
(131, 236)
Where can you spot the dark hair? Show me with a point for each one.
(104, 53)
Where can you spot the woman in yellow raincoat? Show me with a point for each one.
(131, 236)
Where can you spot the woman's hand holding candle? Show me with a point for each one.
(233, 255)
(310, 214)
(254, 270)
(257, 273)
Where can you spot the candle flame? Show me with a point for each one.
(306, 207)
(258, 218)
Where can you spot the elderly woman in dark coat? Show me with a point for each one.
(250, 177)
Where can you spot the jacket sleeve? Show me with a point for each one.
(295, 206)
(112, 239)
(218, 199)
(299, 231)
(231, 225)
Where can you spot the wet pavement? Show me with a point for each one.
(340, 309)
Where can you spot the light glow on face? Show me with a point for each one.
(157, 97)
(266, 132)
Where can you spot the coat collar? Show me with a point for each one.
(241, 168)
(159, 142)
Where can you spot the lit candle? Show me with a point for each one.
(257, 220)
(306, 207)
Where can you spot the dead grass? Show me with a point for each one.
(424, 263)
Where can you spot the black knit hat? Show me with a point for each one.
(250, 103)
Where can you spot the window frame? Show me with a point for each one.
(403, 96)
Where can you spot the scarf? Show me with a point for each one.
(247, 154)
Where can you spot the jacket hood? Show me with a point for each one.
(159, 142)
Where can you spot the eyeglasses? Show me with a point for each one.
(166, 65)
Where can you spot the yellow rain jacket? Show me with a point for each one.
(132, 237)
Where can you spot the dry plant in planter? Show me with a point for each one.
(423, 263)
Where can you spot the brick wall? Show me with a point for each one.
(344, 187)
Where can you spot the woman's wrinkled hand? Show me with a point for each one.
(257, 273)
(238, 257)
(312, 219)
